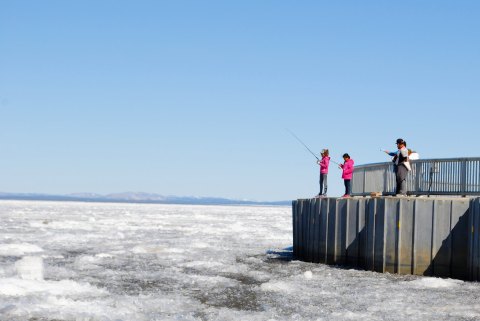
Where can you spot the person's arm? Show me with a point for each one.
(390, 153)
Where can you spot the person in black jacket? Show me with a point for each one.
(401, 166)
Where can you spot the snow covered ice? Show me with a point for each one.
(93, 261)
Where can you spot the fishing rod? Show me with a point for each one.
(301, 142)
(296, 137)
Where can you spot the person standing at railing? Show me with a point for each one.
(324, 162)
(347, 173)
(401, 167)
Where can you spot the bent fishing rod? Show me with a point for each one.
(302, 143)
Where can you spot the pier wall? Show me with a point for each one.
(421, 236)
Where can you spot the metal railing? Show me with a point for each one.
(448, 176)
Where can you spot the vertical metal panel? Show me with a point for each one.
(332, 233)
(313, 218)
(471, 225)
(370, 234)
(341, 239)
(422, 243)
(475, 248)
(294, 225)
(459, 235)
(473, 239)
(352, 232)
(309, 231)
(476, 244)
(306, 235)
(390, 216)
(324, 207)
(441, 247)
(297, 227)
(303, 229)
(306, 224)
(316, 232)
(379, 238)
(405, 225)
(362, 232)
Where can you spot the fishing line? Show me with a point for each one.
(296, 137)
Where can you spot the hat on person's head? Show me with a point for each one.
(400, 141)
(346, 155)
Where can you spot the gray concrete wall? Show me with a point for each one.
(422, 236)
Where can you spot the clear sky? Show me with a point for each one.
(194, 97)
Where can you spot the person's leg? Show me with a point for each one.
(395, 171)
(398, 179)
(401, 180)
(348, 187)
(325, 181)
(321, 183)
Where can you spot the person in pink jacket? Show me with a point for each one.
(324, 162)
(347, 173)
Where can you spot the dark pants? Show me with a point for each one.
(323, 184)
(401, 176)
(348, 186)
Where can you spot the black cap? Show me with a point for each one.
(400, 141)
(346, 155)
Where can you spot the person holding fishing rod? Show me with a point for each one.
(347, 173)
(401, 166)
(324, 162)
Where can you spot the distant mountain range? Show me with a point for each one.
(132, 197)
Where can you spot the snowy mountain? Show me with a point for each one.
(137, 197)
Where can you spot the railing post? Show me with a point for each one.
(385, 177)
(463, 178)
(418, 173)
(364, 180)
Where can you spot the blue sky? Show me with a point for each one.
(194, 97)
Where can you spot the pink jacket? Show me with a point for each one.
(324, 165)
(347, 169)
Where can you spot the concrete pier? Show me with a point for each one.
(410, 235)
